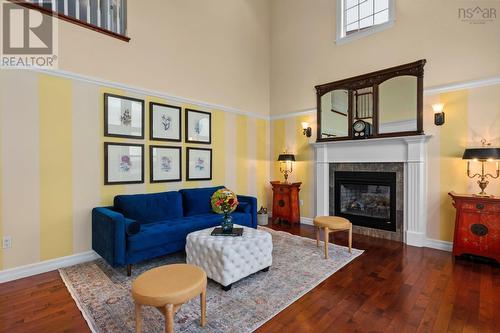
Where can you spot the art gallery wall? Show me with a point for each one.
(52, 160)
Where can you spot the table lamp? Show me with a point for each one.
(482, 154)
(286, 164)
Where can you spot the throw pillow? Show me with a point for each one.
(132, 227)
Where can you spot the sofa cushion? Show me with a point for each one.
(198, 222)
(197, 200)
(244, 219)
(147, 208)
(157, 234)
(244, 207)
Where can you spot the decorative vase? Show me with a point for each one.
(227, 222)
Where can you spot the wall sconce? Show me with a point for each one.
(306, 130)
(483, 154)
(286, 164)
(438, 114)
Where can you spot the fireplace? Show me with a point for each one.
(367, 199)
(371, 196)
(407, 156)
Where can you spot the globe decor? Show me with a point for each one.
(224, 201)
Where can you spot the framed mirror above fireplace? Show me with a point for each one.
(385, 103)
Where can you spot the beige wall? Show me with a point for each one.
(213, 51)
(304, 53)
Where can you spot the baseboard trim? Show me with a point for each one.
(46, 266)
(306, 220)
(303, 219)
(53, 264)
(427, 242)
(414, 238)
(439, 244)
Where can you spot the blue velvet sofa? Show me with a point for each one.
(144, 226)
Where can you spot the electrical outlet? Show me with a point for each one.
(301, 202)
(7, 242)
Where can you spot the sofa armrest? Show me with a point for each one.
(108, 235)
(252, 201)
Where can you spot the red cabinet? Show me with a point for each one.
(477, 226)
(286, 201)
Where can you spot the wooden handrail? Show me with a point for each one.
(70, 19)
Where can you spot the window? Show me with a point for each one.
(105, 16)
(358, 18)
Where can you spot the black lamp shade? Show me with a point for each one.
(482, 153)
(286, 157)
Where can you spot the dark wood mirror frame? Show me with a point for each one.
(373, 80)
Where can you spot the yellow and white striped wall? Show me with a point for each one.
(51, 160)
(286, 135)
(472, 113)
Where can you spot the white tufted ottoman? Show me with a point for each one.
(228, 259)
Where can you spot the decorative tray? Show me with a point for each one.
(233, 232)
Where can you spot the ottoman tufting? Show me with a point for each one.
(228, 259)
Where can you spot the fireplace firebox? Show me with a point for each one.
(367, 199)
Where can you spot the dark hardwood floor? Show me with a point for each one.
(390, 288)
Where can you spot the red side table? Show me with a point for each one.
(477, 226)
(286, 202)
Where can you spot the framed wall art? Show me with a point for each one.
(123, 117)
(199, 163)
(165, 164)
(123, 163)
(164, 122)
(198, 126)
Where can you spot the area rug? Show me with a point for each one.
(103, 293)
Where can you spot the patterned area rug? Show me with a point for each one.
(103, 293)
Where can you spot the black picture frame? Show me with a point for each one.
(187, 125)
(106, 163)
(189, 151)
(151, 164)
(106, 116)
(151, 122)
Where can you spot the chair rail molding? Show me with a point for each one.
(179, 99)
(410, 150)
(176, 100)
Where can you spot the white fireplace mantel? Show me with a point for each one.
(410, 150)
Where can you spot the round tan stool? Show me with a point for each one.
(167, 288)
(332, 224)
